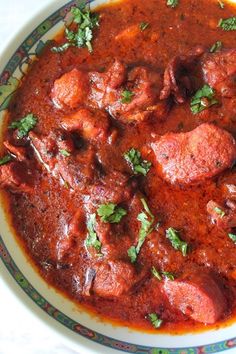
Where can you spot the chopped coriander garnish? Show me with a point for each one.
(82, 37)
(216, 46)
(232, 237)
(219, 212)
(111, 213)
(203, 99)
(228, 24)
(5, 160)
(146, 218)
(156, 274)
(168, 275)
(160, 275)
(92, 238)
(172, 3)
(155, 321)
(144, 25)
(64, 153)
(126, 96)
(176, 242)
(24, 125)
(138, 165)
(221, 4)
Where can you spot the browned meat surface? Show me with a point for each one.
(57, 153)
(89, 124)
(114, 278)
(16, 176)
(70, 89)
(145, 87)
(194, 156)
(198, 296)
(177, 76)
(223, 216)
(220, 72)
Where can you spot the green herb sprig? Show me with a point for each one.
(138, 165)
(111, 213)
(92, 238)
(228, 24)
(24, 125)
(82, 37)
(176, 242)
(147, 219)
(203, 99)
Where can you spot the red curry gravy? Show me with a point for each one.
(51, 207)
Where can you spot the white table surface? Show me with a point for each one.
(20, 332)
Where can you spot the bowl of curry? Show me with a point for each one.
(117, 172)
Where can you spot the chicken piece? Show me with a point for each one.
(114, 188)
(71, 89)
(114, 278)
(144, 86)
(223, 216)
(16, 176)
(194, 156)
(92, 125)
(177, 79)
(219, 71)
(58, 155)
(198, 296)
(104, 85)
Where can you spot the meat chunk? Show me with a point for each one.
(220, 72)
(145, 88)
(104, 85)
(114, 278)
(177, 79)
(144, 85)
(115, 188)
(16, 176)
(71, 89)
(199, 297)
(223, 216)
(92, 125)
(194, 156)
(58, 155)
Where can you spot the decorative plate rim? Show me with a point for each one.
(21, 280)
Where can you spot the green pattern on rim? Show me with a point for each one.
(8, 85)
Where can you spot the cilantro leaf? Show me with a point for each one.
(168, 275)
(144, 25)
(24, 125)
(5, 160)
(203, 99)
(86, 21)
(155, 321)
(147, 219)
(232, 237)
(172, 3)
(126, 96)
(111, 213)
(219, 212)
(64, 152)
(176, 242)
(228, 24)
(92, 238)
(216, 47)
(160, 275)
(138, 165)
(156, 274)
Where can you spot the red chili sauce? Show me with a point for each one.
(122, 185)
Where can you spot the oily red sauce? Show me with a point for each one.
(41, 218)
